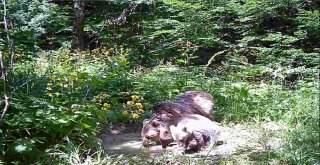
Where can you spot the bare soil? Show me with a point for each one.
(237, 140)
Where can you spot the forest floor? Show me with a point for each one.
(241, 143)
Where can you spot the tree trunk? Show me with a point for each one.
(5, 89)
(79, 41)
(3, 67)
(10, 41)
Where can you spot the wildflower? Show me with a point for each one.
(135, 97)
(141, 110)
(49, 88)
(49, 84)
(138, 106)
(105, 95)
(135, 116)
(106, 105)
(130, 102)
(96, 98)
(125, 113)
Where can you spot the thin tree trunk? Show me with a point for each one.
(6, 100)
(78, 27)
(10, 42)
(5, 89)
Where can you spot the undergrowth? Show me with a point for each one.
(65, 103)
(262, 65)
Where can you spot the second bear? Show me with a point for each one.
(192, 132)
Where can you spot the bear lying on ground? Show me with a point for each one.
(191, 102)
(192, 132)
(166, 113)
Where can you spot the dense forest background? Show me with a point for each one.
(71, 68)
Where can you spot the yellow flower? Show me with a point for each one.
(130, 102)
(106, 105)
(138, 106)
(105, 95)
(49, 84)
(141, 110)
(135, 97)
(49, 88)
(96, 98)
(125, 113)
(135, 116)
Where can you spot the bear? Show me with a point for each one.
(154, 129)
(152, 132)
(201, 103)
(193, 132)
(167, 112)
(191, 102)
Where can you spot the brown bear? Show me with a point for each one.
(191, 102)
(192, 132)
(166, 113)
(156, 130)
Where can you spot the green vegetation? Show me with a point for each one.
(70, 75)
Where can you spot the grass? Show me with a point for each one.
(250, 103)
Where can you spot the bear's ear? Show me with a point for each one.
(155, 123)
(184, 129)
(157, 106)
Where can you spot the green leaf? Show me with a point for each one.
(182, 61)
(114, 101)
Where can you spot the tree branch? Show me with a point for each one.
(121, 19)
(125, 13)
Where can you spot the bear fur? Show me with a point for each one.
(166, 113)
(191, 102)
(152, 132)
(194, 131)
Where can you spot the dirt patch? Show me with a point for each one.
(128, 143)
(237, 140)
(126, 139)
